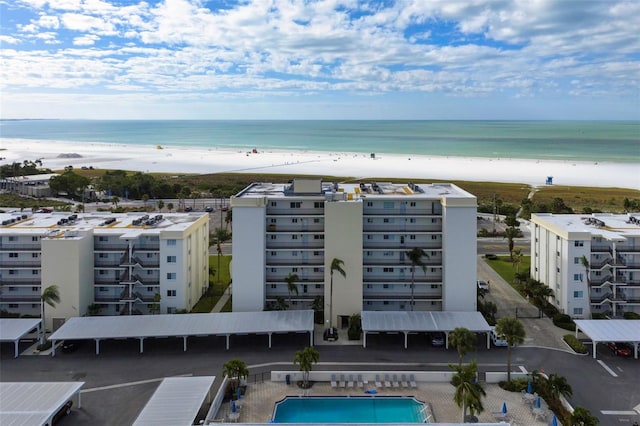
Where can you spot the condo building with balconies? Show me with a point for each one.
(301, 227)
(591, 262)
(116, 262)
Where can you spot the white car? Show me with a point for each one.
(497, 341)
(482, 285)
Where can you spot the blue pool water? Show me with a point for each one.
(349, 410)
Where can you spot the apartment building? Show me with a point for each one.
(608, 282)
(118, 262)
(300, 227)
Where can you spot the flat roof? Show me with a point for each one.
(176, 401)
(12, 329)
(227, 323)
(393, 321)
(610, 330)
(616, 227)
(33, 403)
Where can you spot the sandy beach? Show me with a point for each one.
(169, 159)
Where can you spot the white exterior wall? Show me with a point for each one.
(343, 240)
(248, 261)
(68, 263)
(459, 247)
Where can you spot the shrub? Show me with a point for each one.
(355, 327)
(516, 385)
(598, 316)
(575, 344)
(631, 315)
(491, 256)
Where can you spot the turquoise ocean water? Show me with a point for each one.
(610, 141)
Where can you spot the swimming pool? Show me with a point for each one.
(354, 409)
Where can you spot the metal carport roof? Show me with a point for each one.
(176, 401)
(13, 329)
(184, 325)
(420, 321)
(34, 403)
(610, 331)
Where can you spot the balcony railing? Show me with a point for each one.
(601, 248)
(19, 247)
(398, 212)
(391, 227)
(12, 281)
(27, 263)
(627, 249)
(287, 211)
(19, 298)
(110, 247)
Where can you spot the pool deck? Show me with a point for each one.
(258, 403)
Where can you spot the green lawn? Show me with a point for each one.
(217, 284)
(506, 269)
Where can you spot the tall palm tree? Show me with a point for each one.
(558, 385)
(336, 265)
(517, 259)
(469, 392)
(512, 331)
(305, 359)
(415, 255)
(219, 237)
(510, 233)
(587, 270)
(291, 285)
(49, 296)
(464, 340)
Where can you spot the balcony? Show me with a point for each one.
(288, 211)
(13, 281)
(20, 247)
(295, 227)
(147, 246)
(26, 263)
(627, 249)
(601, 248)
(101, 246)
(395, 227)
(397, 245)
(401, 280)
(7, 297)
(295, 244)
(400, 212)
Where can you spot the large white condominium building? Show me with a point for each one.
(301, 227)
(116, 261)
(592, 262)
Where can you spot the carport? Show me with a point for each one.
(176, 401)
(627, 331)
(34, 403)
(414, 322)
(184, 325)
(14, 329)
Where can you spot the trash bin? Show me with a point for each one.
(287, 379)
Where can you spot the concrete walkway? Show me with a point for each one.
(223, 299)
(540, 332)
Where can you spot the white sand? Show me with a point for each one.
(171, 159)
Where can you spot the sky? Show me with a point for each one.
(329, 59)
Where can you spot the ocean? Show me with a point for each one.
(599, 141)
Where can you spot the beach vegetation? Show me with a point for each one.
(469, 392)
(511, 330)
(355, 327)
(70, 183)
(305, 359)
(235, 369)
(464, 340)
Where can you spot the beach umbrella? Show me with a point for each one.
(554, 422)
(538, 402)
(504, 408)
(233, 406)
(239, 393)
(529, 387)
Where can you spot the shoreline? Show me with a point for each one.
(198, 160)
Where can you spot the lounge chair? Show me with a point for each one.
(350, 382)
(395, 381)
(378, 382)
(360, 381)
(403, 381)
(412, 381)
(342, 383)
(387, 381)
(334, 381)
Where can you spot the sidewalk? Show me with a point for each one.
(223, 299)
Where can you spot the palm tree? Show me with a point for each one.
(464, 340)
(305, 360)
(469, 392)
(517, 259)
(93, 310)
(115, 200)
(415, 255)
(50, 296)
(235, 369)
(220, 236)
(558, 385)
(291, 285)
(513, 331)
(336, 265)
(154, 309)
(510, 233)
(587, 269)
(160, 205)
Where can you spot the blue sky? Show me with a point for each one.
(333, 59)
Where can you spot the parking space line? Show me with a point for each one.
(122, 385)
(606, 367)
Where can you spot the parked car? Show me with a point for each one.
(619, 349)
(188, 208)
(497, 341)
(437, 338)
(482, 285)
(63, 412)
(70, 345)
(208, 209)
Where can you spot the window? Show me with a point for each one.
(11, 238)
(272, 237)
(558, 269)
(388, 204)
(295, 204)
(434, 285)
(316, 269)
(434, 237)
(294, 253)
(274, 253)
(171, 310)
(577, 311)
(171, 259)
(273, 286)
(13, 272)
(171, 242)
(369, 269)
(412, 204)
(294, 237)
(369, 204)
(576, 260)
(171, 275)
(369, 237)
(273, 220)
(387, 269)
(294, 220)
(316, 253)
(103, 238)
(274, 204)
(35, 288)
(318, 237)
(578, 243)
(576, 277)
(273, 269)
(412, 237)
(434, 220)
(13, 254)
(578, 294)
(294, 269)
(34, 255)
(316, 220)
(34, 238)
(102, 289)
(318, 204)
(102, 272)
(171, 293)
(385, 285)
(149, 289)
(412, 220)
